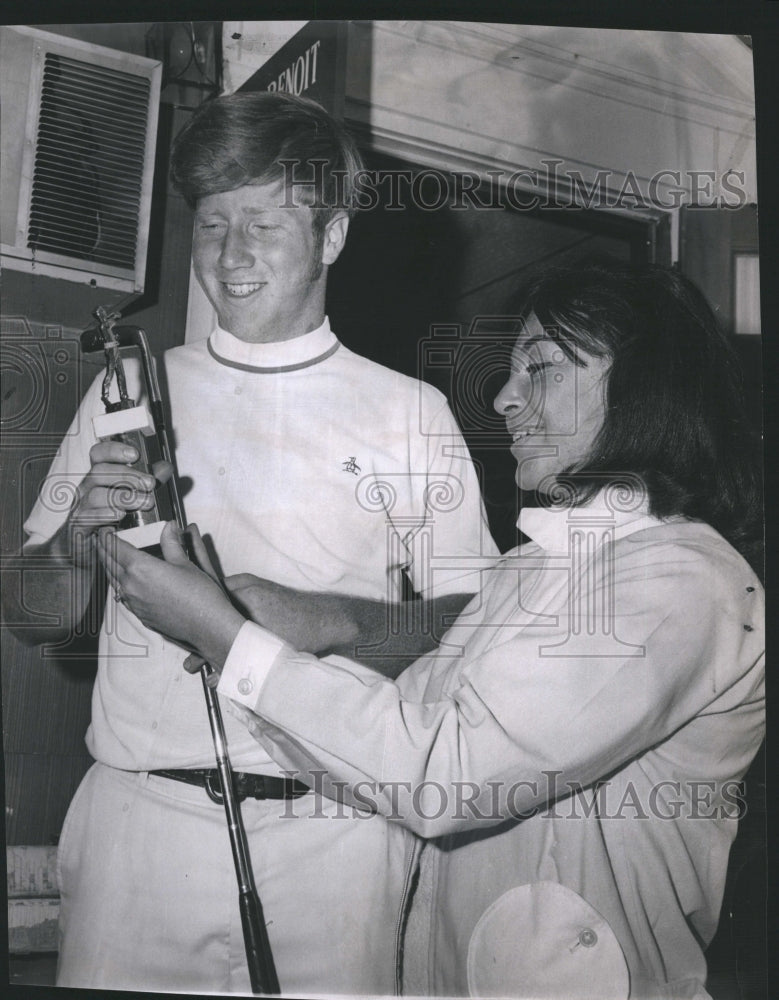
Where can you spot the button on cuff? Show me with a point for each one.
(252, 654)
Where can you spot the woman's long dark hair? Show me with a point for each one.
(675, 415)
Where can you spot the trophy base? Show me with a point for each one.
(144, 536)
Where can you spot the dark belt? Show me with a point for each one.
(245, 786)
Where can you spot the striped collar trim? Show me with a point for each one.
(274, 357)
(271, 369)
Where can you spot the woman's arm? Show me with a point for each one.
(516, 711)
(170, 597)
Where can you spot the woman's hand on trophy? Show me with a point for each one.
(172, 595)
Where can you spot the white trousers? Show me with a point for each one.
(150, 900)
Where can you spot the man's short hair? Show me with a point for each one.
(263, 137)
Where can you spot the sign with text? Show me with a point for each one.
(311, 64)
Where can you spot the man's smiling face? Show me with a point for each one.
(261, 264)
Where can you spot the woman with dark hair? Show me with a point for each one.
(674, 406)
(571, 754)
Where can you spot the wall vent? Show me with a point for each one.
(79, 126)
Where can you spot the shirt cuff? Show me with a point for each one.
(252, 654)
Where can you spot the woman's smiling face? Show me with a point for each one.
(554, 408)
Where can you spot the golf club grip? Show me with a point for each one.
(262, 970)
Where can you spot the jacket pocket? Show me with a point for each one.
(542, 940)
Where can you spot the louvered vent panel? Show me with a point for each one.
(86, 190)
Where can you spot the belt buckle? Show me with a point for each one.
(214, 793)
(241, 786)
